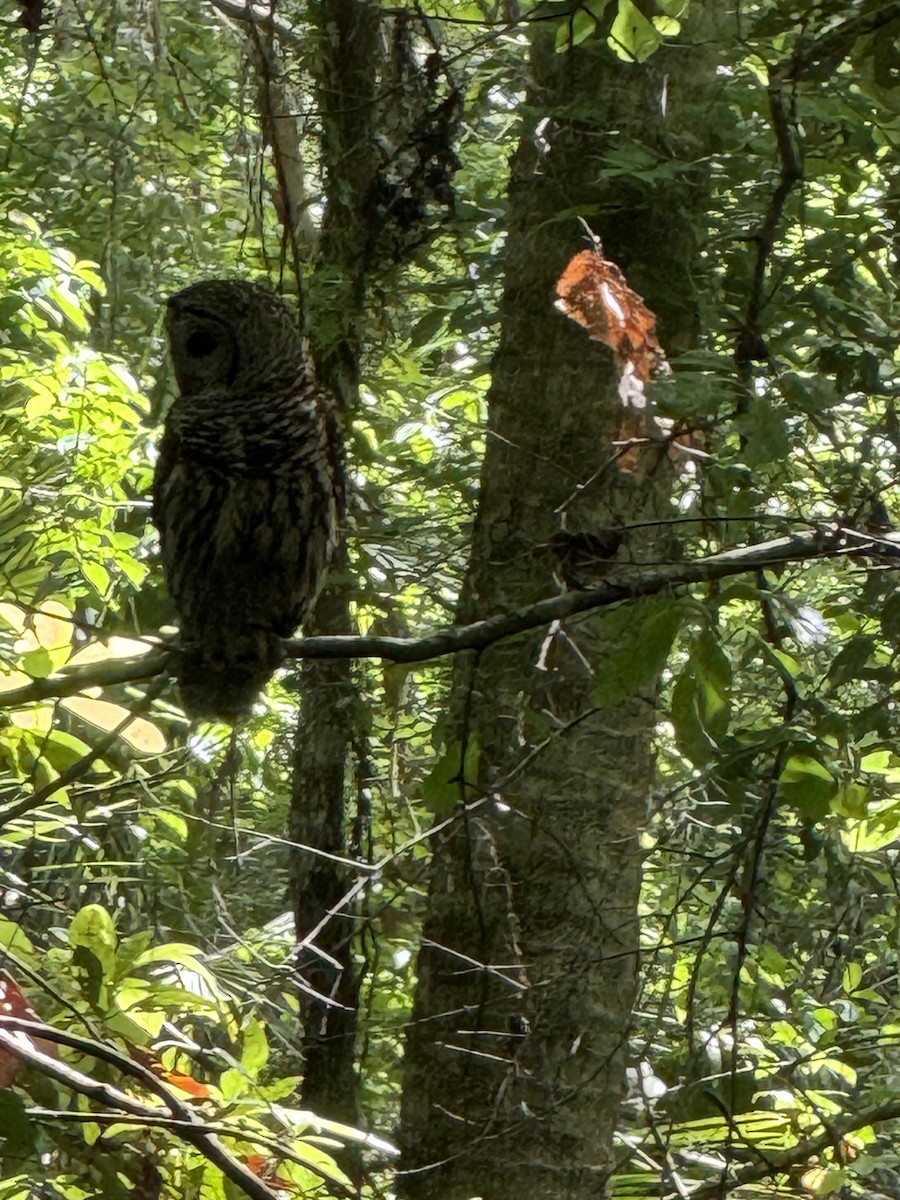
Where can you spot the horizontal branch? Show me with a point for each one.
(71, 681)
(260, 17)
(624, 583)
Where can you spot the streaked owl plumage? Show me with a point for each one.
(248, 489)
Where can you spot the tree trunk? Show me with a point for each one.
(526, 976)
(329, 702)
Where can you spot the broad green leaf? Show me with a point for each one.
(38, 663)
(807, 785)
(633, 37)
(234, 1085)
(701, 700)
(879, 829)
(581, 27)
(852, 977)
(766, 436)
(254, 1048)
(92, 928)
(187, 962)
(170, 952)
(97, 576)
(14, 939)
(640, 637)
(449, 783)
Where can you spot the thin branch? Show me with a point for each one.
(111, 1097)
(835, 44)
(82, 765)
(626, 582)
(277, 1147)
(780, 1163)
(829, 48)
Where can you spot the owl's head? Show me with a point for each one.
(225, 334)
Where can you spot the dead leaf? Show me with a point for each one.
(184, 1083)
(267, 1170)
(593, 292)
(14, 1004)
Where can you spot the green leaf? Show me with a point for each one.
(807, 785)
(633, 37)
(852, 977)
(448, 783)
(701, 700)
(254, 1048)
(233, 1084)
(582, 27)
(181, 955)
(640, 636)
(14, 938)
(97, 576)
(63, 749)
(92, 929)
(765, 434)
(577, 26)
(875, 832)
(38, 663)
(848, 665)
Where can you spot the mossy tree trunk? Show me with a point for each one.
(527, 973)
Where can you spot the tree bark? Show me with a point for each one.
(329, 701)
(325, 927)
(516, 1052)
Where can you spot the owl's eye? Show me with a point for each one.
(200, 344)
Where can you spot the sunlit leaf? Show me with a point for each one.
(92, 928)
(113, 647)
(450, 780)
(143, 735)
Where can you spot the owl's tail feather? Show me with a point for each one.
(220, 680)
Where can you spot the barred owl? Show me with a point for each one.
(248, 489)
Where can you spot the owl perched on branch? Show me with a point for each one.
(248, 489)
